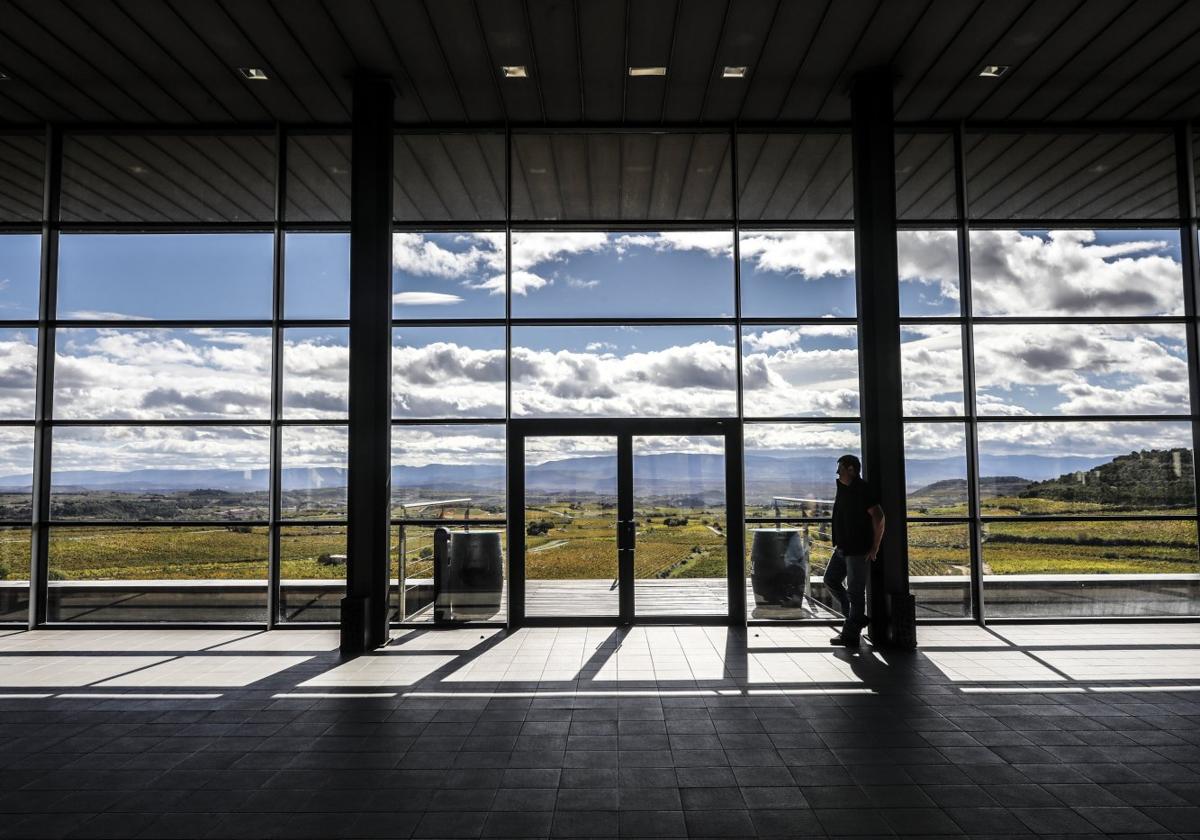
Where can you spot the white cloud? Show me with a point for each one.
(1068, 273)
(425, 299)
(808, 253)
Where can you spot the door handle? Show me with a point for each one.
(626, 534)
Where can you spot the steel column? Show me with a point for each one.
(892, 619)
(365, 607)
(1185, 173)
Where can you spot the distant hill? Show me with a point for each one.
(955, 489)
(1149, 477)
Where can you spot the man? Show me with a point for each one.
(857, 531)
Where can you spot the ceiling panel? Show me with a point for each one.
(925, 177)
(22, 170)
(175, 61)
(795, 177)
(318, 178)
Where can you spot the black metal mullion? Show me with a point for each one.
(274, 495)
(626, 528)
(39, 576)
(970, 410)
(1185, 175)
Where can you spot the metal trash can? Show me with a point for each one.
(779, 566)
(468, 574)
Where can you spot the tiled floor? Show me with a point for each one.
(1019, 730)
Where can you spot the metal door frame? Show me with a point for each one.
(624, 429)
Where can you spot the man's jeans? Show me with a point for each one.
(846, 577)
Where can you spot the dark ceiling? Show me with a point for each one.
(173, 61)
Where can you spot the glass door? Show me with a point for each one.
(615, 521)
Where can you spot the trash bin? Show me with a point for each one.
(468, 574)
(778, 566)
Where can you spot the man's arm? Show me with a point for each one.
(877, 523)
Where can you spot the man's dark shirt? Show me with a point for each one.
(853, 531)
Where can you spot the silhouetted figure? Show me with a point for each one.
(857, 531)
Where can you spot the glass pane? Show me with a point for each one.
(318, 178)
(795, 177)
(160, 472)
(935, 469)
(448, 275)
(1090, 569)
(800, 371)
(316, 275)
(680, 558)
(449, 177)
(14, 573)
(622, 275)
(925, 176)
(790, 467)
(675, 371)
(621, 177)
(939, 569)
(312, 570)
(785, 564)
(1081, 175)
(131, 276)
(16, 473)
(448, 472)
(448, 372)
(316, 372)
(1094, 468)
(314, 462)
(1081, 369)
(931, 366)
(798, 273)
(928, 267)
(132, 574)
(168, 178)
(21, 192)
(20, 271)
(570, 525)
(1076, 272)
(162, 374)
(18, 373)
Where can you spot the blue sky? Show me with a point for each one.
(20, 275)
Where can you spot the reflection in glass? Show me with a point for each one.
(146, 574)
(925, 176)
(20, 270)
(160, 472)
(931, 367)
(1094, 468)
(675, 371)
(316, 275)
(800, 371)
(1076, 272)
(927, 261)
(131, 276)
(162, 374)
(14, 573)
(448, 275)
(312, 571)
(570, 521)
(935, 469)
(622, 275)
(798, 273)
(18, 373)
(314, 463)
(1078, 369)
(939, 569)
(448, 372)
(1090, 569)
(680, 557)
(449, 177)
(318, 177)
(316, 372)
(798, 176)
(439, 463)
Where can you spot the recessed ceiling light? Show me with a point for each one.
(254, 74)
(4, 77)
(647, 71)
(993, 71)
(735, 72)
(514, 71)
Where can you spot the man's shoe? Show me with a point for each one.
(842, 641)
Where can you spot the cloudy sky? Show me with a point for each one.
(459, 372)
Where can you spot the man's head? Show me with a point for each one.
(848, 468)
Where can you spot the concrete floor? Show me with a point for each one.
(680, 731)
